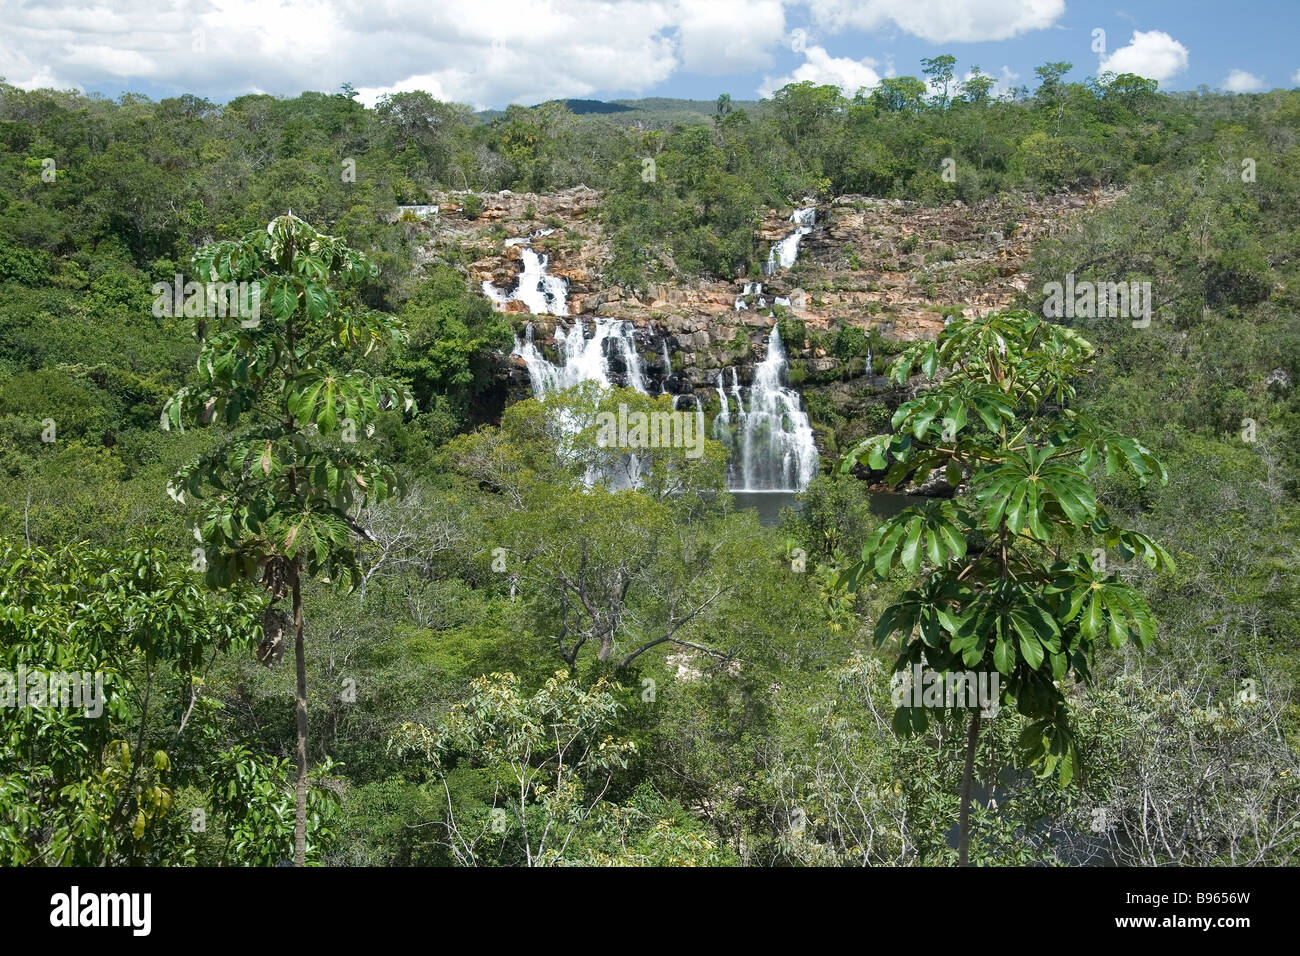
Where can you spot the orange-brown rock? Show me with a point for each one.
(882, 264)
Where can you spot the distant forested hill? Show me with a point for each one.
(655, 111)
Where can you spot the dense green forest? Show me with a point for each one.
(493, 647)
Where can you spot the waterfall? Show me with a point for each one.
(776, 448)
(785, 251)
(769, 435)
(733, 467)
(542, 294)
(754, 289)
(699, 411)
(610, 353)
(722, 424)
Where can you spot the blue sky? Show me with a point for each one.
(1259, 37)
(492, 52)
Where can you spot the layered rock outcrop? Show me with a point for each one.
(886, 265)
(892, 268)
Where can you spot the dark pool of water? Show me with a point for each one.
(768, 504)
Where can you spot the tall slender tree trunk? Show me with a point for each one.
(300, 662)
(963, 824)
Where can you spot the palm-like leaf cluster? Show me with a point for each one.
(1000, 592)
(286, 486)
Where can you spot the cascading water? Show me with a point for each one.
(543, 294)
(722, 424)
(755, 289)
(608, 355)
(735, 390)
(785, 251)
(699, 411)
(769, 436)
(774, 448)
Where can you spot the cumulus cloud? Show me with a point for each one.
(825, 70)
(1006, 80)
(483, 52)
(1152, 54)
(1239, 81)
(728, 36)
(1003, 82)
(940, 21)
(18, 70)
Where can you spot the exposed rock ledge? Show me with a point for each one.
(886, 265)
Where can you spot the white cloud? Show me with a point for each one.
(1239, 81)
(1152, 54)
(825, 70)
(100, 58)
(483, 52)
(487, 52)
(1295, 77)
(1003, 81)
(941, 21)
(728, 36)
(39, 78)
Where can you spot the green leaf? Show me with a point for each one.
(1004, 656)
(911, 546)
(283, 300)
(1032, 651)
(930, 363)
(1090, 625)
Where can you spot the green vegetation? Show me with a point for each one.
(513, 664)
(1010, 604)
(277, 495)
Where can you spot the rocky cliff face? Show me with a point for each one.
(889, 267)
